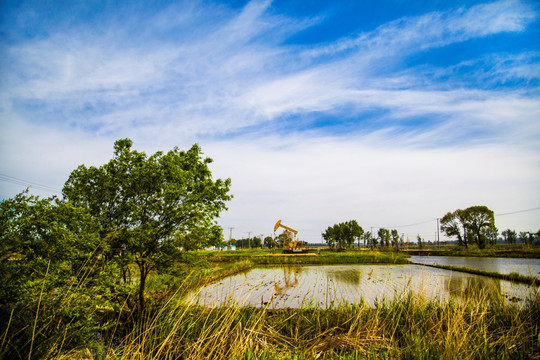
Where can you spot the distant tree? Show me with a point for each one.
(384, 237)
(474, 224)
(420, 241)
(526, 237)
(370, 240)
(395, 238)
(453, 224)
(343, 235)
(480, 220)
(146, 204)
(256, 242)
(269, 242)
(510, 236)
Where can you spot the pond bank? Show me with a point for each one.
(529, 280)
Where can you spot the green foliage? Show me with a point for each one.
(384, 237)
(270, 243)
(510, 236)
(54, 285)
(475, 224)
(343, 235)
(149, 206)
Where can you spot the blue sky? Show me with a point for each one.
(389, 112)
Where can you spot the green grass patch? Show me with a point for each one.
(267, 257)
(530, 280)
(509, 251)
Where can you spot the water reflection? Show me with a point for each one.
(526, 267)
(290, 280)
(473, 287)
(328, 286)
(348, 276)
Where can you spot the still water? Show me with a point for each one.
(527, 267)
(331, 285)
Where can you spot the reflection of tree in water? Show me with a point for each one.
(347, 276)
(290, 279)
(466, 287)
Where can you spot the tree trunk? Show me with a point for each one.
(143, 270)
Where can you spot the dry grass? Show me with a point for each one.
(410, 327)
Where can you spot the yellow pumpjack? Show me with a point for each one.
(290, 243)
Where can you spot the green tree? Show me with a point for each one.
(453, 224)
(343, 235)
(370, 239)
(526, 237)
(480, 220)
(395, 238)
(420, 241)
(146, 204)
(384, 237)
(510, 236)
(269, 242)
(331, 236)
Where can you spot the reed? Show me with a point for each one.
(409, 327)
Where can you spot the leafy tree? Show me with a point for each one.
(420, 241)
(510, 236)
(474, 224)
(370, 239)
(147, 204)
(256, 242)
(331, 235)
(453, 224)
(526, 237)
(269, 242)
(343, 235)
(480, 220)
(395, 238)
(384, 237)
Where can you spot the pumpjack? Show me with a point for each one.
(290, 243)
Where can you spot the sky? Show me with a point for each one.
(388, 112)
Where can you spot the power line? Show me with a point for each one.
(27, 183)
(402, 226)
(518, 211)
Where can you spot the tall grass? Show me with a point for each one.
(410, 327)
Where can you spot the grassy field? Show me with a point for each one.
(514, 251)
(266, 257)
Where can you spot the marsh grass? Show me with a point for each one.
(408, 327)
(513, 276)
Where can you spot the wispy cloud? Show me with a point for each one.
(330, 119)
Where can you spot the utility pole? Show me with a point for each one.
(230, 234)
(249, 237)
(438, 235)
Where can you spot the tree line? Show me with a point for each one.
(473, 225)
(343, 235)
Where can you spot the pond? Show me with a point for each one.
(526, 267)
(331, 285)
